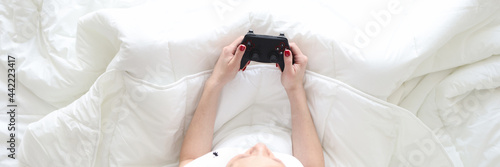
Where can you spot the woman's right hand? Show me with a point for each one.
(293, 74)
(228, 64)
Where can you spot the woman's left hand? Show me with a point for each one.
(228, 64)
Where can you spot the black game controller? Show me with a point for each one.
(264, 48)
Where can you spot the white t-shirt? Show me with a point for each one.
(226, 154)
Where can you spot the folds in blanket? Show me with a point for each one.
(177, 46)
(359, 130)
(120, 121)
(483, 75)
(462, 110)
(171, 40)
(69, 135)
(427, 36)
(60, 80)
(463, 96)
(123, 120)
(153, 40)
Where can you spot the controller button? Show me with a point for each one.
(281, 53)
(255, 56)
(277, 49)
(273, 58)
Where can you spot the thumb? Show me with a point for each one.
(288, 58)
(238, 55)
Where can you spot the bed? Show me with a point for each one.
(115, 83)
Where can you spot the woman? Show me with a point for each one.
(305, 142)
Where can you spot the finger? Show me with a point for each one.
(295, 49)
(239, 54)
(244, 68)
(298, 56)
(288, 57)
(235, 43)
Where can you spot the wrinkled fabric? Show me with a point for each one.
(87, 79)
(126, 121)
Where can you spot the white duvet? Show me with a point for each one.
(125, 121)
(389, 83)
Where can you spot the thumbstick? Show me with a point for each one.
(273, 58)
(255, 56)
(282, 34)
(250, 31)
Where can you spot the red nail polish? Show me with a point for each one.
(248, 62)
(276, 64)
(244, 69)
(287, 53)
(242, 47)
